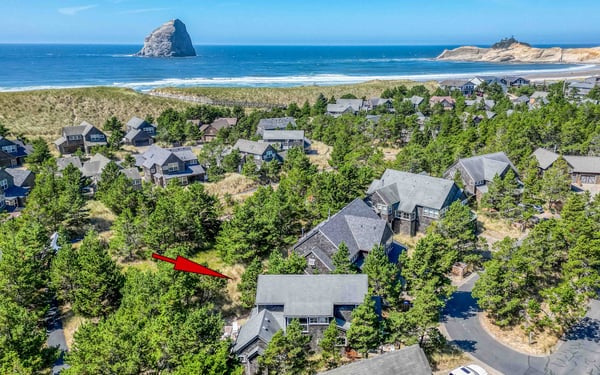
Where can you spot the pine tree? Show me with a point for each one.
(341, 260)
(383, 275)
(556, 182)
(247, 285)
(364, 332)
(330, 352)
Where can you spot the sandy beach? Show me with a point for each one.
(564, 75)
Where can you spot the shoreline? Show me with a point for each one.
(542, 75)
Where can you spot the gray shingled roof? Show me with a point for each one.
(545, 158)
(131, 173)
(62, 163)
(262, 325)
(155, 155)
(357, 225)
(339, 108)
(95, 165)
(270, 135)
(412, 190)
(251, 147)
(356, 104)
(183, 153)
(274, 123)
(584, 164)
(485, 167)
(311, 295)
(19, 175)
(454, 82)
(224, 122)
(406, 361)
(136, 123)
(135, 132)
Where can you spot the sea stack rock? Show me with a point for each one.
(169, 40)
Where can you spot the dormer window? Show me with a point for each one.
(9, 149)
(4, 184)
(173, 167)
(97, 137)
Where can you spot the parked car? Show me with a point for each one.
(469, 370)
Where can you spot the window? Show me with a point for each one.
(242, 358)
(303, 323)
(183, 180)
(318, 320)
(9, 149)
(4, 184)
(137, 182)
(149, 129)
(430, 212)
(311, 262)
(97, 137)
(11, 202)
(173, 167)
(192, 162)
(341, 341)
(74, 137)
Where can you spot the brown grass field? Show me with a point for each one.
(286, 95)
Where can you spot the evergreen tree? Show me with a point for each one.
(40, 152)
(330, 352)
(247, 285)
(383, 275)
(341, 260)
(364, 332)
(556, 182)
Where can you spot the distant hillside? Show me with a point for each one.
(510, 50)
(44, 112)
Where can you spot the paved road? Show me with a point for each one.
(56, 337)
(578, 354)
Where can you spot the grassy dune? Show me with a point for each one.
(286, 95)
(43, 112)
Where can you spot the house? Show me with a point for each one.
(577, 88)
(161, 165)
(134, 176)
(487, 104)
(478, 171)
(82, 137)
(94, 166)
(12, 153)
(415, 100)
(258, 152)
(514, 81)
(63, 162)
(465, 86)
(446, 101)
(373, 103)
(410, 360)
(410, 202)
(285, 139)
(538, 98)
(138, 138)
(516, 100)
(583, 169)
(15, 185)
(277, 123)
(315, 300)
(356, 225)
(346, 106)
(209, 131)
(136, 123)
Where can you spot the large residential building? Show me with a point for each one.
(583, 169)
(209, 131)
(411, 202)
(82, 137)
(285, 139)
(315, 300)
(278, 123)
(355, 225)
(12, 152)
(477, 172)
(139, 132)
(15, 184)
(163, 164)
(256, 152)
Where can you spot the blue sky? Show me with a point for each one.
(310, 22)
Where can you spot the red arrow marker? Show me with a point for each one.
(186, 265)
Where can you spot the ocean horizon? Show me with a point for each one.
(47, 66)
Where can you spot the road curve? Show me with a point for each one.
(579, 353)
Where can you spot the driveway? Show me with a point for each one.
(579, 353)
(56, 337)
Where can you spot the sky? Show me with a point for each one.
(304, 22)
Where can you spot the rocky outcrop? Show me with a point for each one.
(522, 53)
(169, 40)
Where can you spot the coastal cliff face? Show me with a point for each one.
(169, 40)
(520, 53)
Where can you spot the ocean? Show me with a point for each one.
(33, 66)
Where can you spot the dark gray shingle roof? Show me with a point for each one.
(406, 361)
(155, 155)
(310, 295)
(412, 190)
(19, 175)
(544, 157)
(485, 167)
(275, 135)
(251, 147)
(136, 123)
(262, 325)
(62, 163)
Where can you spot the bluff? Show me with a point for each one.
(169, 40)
(518, 52)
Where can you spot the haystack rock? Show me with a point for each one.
(169, 40)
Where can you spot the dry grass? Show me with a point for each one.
(389, 153)
(286, 95)
(320, 155)
(142, 265)
(448, 360)
(71, 323)
(516, 338)
(42, 113)
(494, 230)
(233, 183)
(101, 218)
(409, 241)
